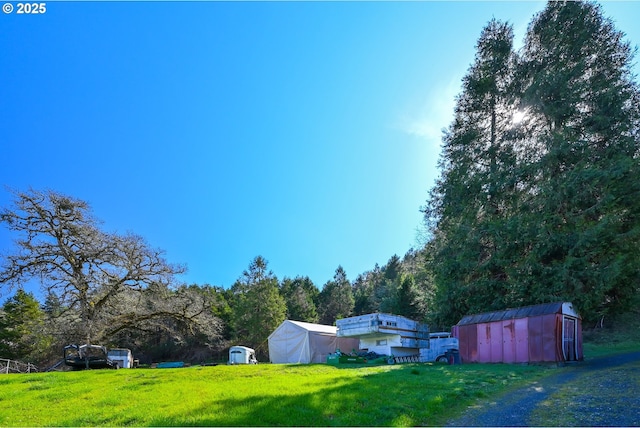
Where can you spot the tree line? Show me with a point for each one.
(115, 290)
(538, 200)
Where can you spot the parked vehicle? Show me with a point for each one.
(81, 357)
(441, 346)
(242, 355)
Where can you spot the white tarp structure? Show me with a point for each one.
(303, 342)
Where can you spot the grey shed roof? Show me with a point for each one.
(524, 312)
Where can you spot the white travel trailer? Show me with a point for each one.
(122, 357)
(242, 355)
(386, 334)
(394, 335)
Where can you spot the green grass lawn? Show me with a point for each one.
(623, 336)
(262, 395)
(273, 394)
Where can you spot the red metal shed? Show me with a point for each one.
(549, 332)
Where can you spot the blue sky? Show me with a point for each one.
(305, 132)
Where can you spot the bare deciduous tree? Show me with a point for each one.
(113, 282)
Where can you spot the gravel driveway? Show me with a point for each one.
(598, 392)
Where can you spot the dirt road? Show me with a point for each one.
(598, 392)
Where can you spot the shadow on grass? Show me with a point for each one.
(400, 396)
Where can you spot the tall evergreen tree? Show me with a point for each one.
(409, 304)
(416, 267)
(363, 295)
(368, 291)
(546, 207)
(22, 334)
(336, 298)
(300, 295)
(386, 289)
(584, 108)
(258, 307)
(470, 201)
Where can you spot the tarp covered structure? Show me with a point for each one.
(550, 332)
(303, 342)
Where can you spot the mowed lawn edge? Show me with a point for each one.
(260, 395)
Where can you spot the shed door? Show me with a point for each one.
(569, 339)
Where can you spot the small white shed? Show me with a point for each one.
(303, 342)
(242, 355)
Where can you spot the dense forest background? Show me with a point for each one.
(538, 200)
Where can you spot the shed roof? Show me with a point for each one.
(524, 312)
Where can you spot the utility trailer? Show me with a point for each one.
(80, 357)
(242, 355)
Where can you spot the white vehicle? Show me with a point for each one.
(242, 355)
(439, 345)
(122, 357)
